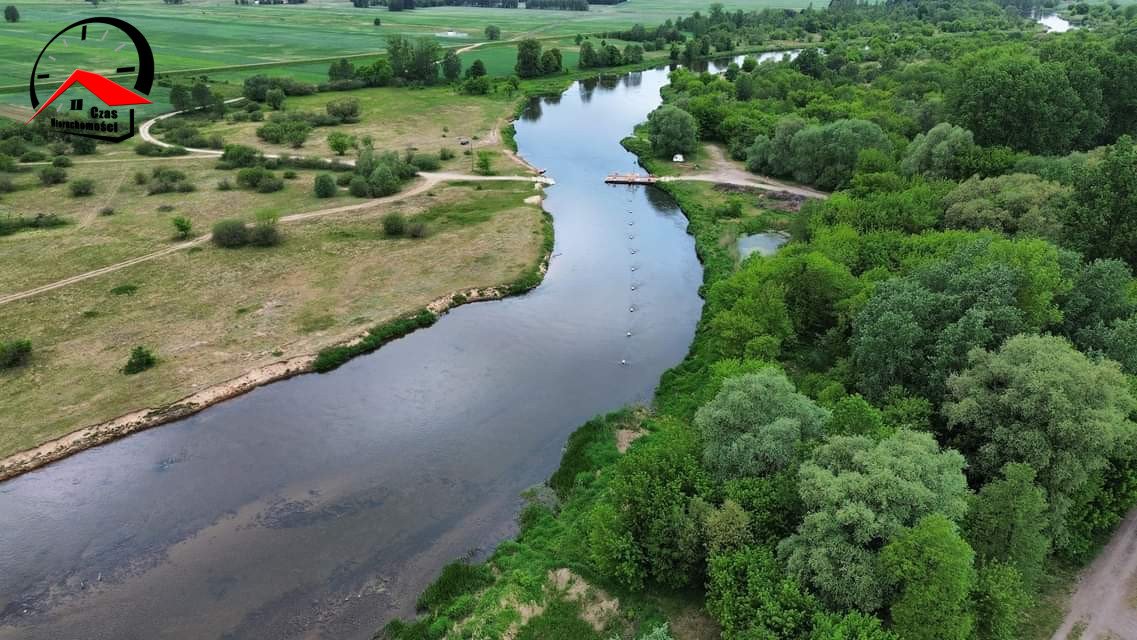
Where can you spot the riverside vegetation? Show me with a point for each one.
(917, 416)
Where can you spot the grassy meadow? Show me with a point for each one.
(211, 314)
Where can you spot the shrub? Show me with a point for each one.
(141, 178)
(61, 161)
(332, 357)
(325, 186)
(416, 230)
(343, 179)
(15, 353)
(52, 175)
(124, 290)
(230, 233)
(106, 211)
(140, 360)
(239, 155)
(289, 175)
(445, 153)
(6, 184)
(484, 166)
(33, 156)
(224, 185)
(394, 224)
(182, 226)
(82, 187)
(358, 187)
(426, 161)
(457, 578)
(264, 235)
(270, 185)
(252, 177)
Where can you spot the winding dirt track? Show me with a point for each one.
(428, 180)
(1102, 601)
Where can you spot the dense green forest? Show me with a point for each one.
(897, 426)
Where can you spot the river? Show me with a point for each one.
(320, 506)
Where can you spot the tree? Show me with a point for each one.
(11, 14)
(940, 153)
(1101, 218)
(588, 57)
(484, 165)
(645, 526)
(1013, 99)
(180, 97)
(182, 226)
(493, 32)
(346, 110)
(200, 95)
(451, 66)
(672, 130)
(1015, 203)
(727, 528)
(750, 597)
(528, 58)
(324, 186)
(341, 70)
(1007, 522)
(756, 426)
(551, 61)
(340, 142)
(1001, 602)
(860, 495)
(850, 626)
(1036, 400)
(932, 566)
(274, 98)
(477, 69)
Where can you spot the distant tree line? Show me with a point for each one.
(564, 5)
(608, 55)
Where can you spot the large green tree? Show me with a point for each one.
(1007, 522)
(672, 130)
(756, 426)
(932, 568)
(1037, 400)
(859, 495)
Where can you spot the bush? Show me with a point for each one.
(270, 185)
(182, 226)
(230, 233)
(140, 360)
(82, 187)
(106, 211)
(358, 187)
(325, 186)
(343, 179)
(238, 155)
(15, 353)
(445, 153)
(61, 161)
(224, 185)
(141, 177)
(52, 175)
(289, 175)
(416, 230)
(426, 161)
(6, 184)
(332, 357)
(252, 177)
(33, 156)
(394, 224)
(457, 579)
(265, 233)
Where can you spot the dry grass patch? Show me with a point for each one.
(211, 314)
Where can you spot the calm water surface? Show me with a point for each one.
(320, 506)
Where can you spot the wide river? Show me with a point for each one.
(319, 507)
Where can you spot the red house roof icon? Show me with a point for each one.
(108, 91)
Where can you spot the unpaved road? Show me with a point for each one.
(1102, 604)
(726, 171)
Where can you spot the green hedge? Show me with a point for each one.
(332, 357)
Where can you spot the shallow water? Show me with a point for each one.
(320, 506)
(764, 244)
(1054, 23)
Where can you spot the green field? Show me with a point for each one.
(205, 34)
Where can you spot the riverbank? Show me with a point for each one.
(311, 335)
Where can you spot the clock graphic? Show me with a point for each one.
(108, 57)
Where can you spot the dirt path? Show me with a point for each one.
(1101, 606)
(725, 171)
